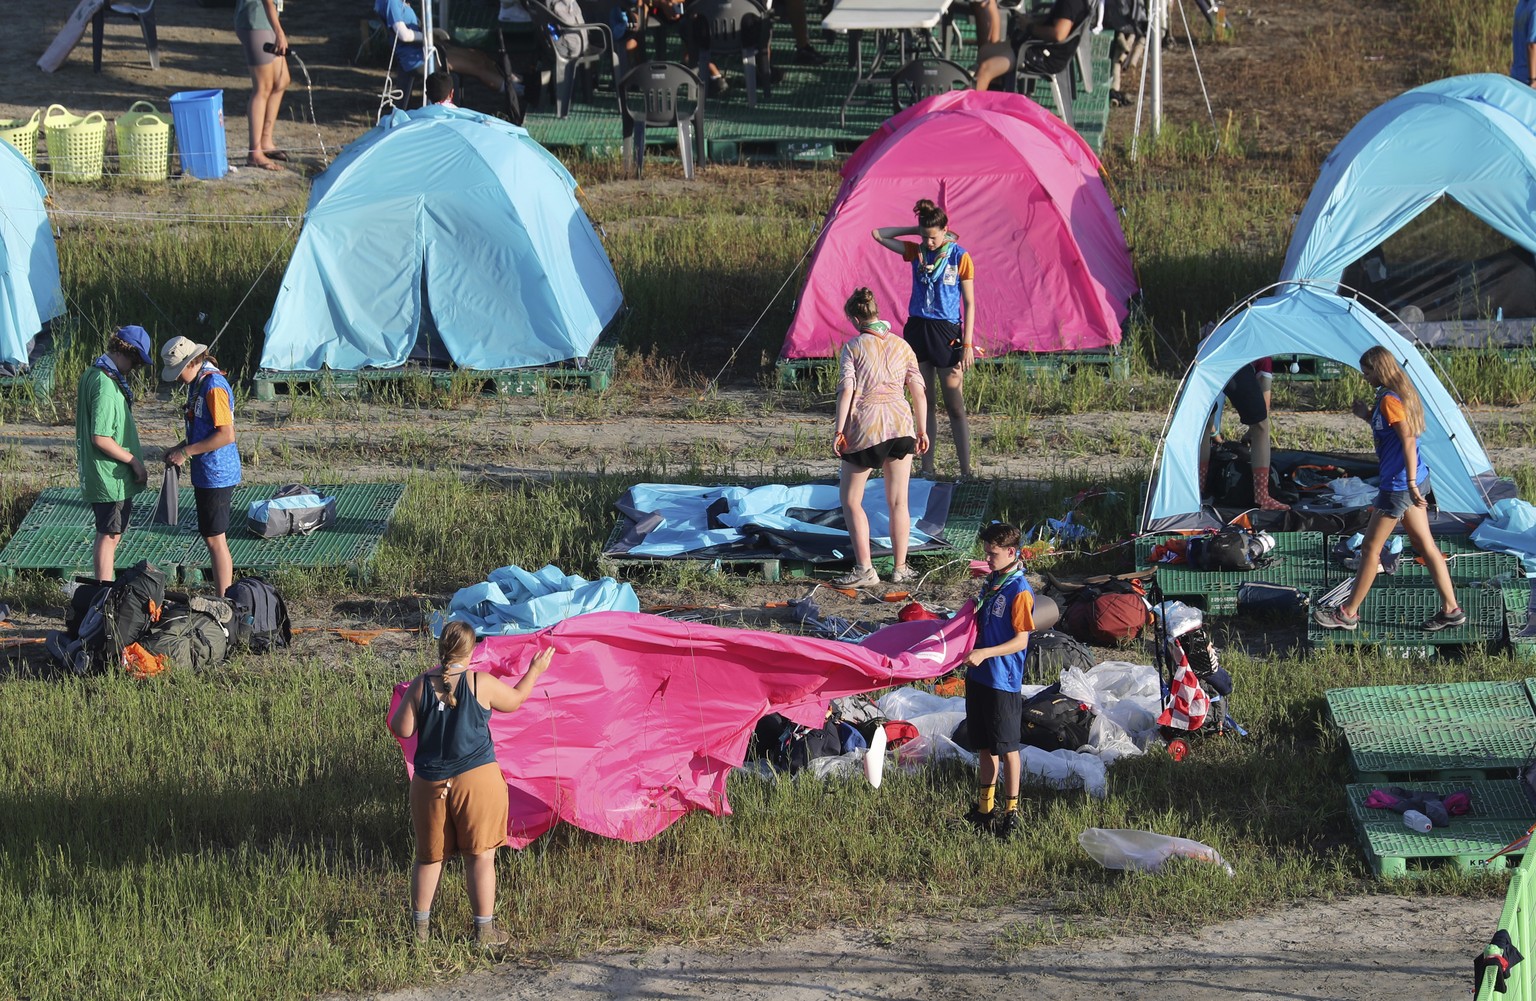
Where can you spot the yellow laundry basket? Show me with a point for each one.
(76, 143)
(22, 133)
(144, 143)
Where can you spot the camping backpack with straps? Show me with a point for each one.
(789, 747)
(1229, 549)
(119, 613)
(187, 639)
(1053, 722)
(568, 43)
(1052, 652)
(294, 510)
(1107, 613)
(261, 616)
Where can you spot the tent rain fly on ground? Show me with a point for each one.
(1024, 194)
(30, 292)
(1468, 139)
(443, 236)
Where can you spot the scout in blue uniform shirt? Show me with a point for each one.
(210, 444)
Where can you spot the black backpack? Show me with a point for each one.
(1052, 652)
(131, 606)
(187, 639)
(261, 617)
(80, 601)
(1228, 549)
(1054, 722)
(789, 747)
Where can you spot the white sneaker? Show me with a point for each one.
(857, 577)
(903, 575)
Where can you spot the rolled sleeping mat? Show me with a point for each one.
(1047, 612)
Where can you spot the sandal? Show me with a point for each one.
(275, 154)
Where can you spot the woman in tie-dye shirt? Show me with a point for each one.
(877, 428)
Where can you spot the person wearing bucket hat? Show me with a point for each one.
(209, 445)
(107, 441)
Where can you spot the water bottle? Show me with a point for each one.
(1416, 821)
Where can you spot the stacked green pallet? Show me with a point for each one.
(1296, 561)
(1501, 812)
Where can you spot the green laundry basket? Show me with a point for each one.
(144, 143)
(77, 144)
(22, 133)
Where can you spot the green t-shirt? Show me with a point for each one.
(102, 409)
(252, 15)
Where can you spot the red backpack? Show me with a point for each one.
(1109, 613)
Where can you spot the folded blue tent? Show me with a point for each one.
(442, 232)
(30, 293)
(1307, 320)
(1471, 139)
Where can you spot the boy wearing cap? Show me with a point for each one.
(107, 441)
(210, 444)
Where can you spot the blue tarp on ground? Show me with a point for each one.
(1470, 138)
(1510, 528)
(512, 600)
(676, 520)
(450, 220)
(1304, 320)
(30, 293)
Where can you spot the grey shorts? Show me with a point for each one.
(252, 40)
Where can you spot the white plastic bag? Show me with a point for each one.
(1178, 617)
(909, 703)
(1143, 850)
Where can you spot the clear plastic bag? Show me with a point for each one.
(1144, 850)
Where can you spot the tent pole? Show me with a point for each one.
(1158, 26)
(427, 48)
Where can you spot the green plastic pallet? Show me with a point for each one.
(38, 378)
(1393, 613)
(967, 512)
(1060, 364)
(1430, 705)
(1471, 749)
(57, 535)
(1296, 561)
(1501, 812)
(1518, 619)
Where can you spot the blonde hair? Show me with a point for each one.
(861, 307)
(456, 646)
(1381, 368)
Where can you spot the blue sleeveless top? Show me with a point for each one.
(221, 467)
(936, 287)
(450, 740)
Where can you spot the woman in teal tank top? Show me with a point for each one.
(458, 795)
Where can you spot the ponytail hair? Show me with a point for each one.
(861, 307)
(1381, 368)
(929, 215)
(456, 646)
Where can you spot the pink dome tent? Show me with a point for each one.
(1024, 194)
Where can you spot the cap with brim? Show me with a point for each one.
(138, 337)
(175, 355)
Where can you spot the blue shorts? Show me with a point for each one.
(1395, 503)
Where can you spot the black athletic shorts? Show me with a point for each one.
(994, 719)
(1247, 396)
(213, 510)
(935, 342)
(874, 456)
(112, 516)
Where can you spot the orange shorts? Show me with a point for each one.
(466, 814)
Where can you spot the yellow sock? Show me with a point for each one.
(1011, 804)
(986, 799)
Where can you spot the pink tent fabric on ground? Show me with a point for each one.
(1023, 192)
(641, 718)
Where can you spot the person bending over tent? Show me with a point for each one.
(1397, 420)
(458, 796)
(1251, 398)
(994, 677)
(999, 60)
(876, 430)
(209, 444)
(941, 318)
(107, 441)
(1523, 66)
(398, 16)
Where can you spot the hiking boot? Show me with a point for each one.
(422, 929)
(1443, 620)
(1337, 618)
(219, 608)
(488, 936)
(857, 577)
(903, 575)
(1008, 825)
(981, 823)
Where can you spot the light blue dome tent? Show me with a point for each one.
(447, 237)
(1469, 139)
(1307, 320)
(30, 293)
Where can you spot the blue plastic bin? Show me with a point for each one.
(199, 118)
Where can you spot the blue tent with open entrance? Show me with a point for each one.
(30, 292)
(1306, 319)
(1459, 276)
(447, 237)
